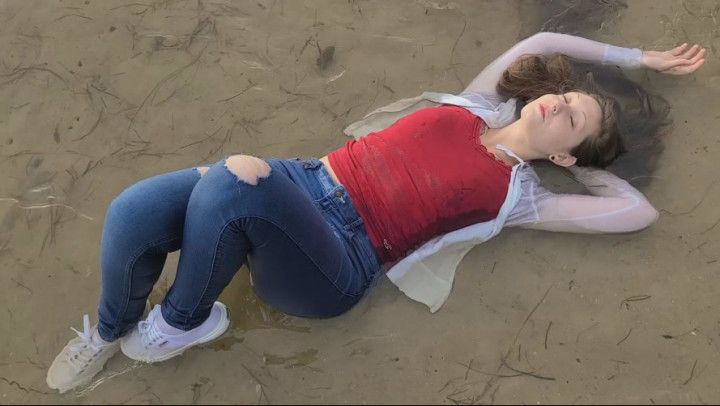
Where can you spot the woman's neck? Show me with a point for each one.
(511, 138)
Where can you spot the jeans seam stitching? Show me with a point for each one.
(215, 253)
(298, 244)
(302, 248)
(212, 272)
(127, 275)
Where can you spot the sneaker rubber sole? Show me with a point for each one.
(63, 389)
(219, 330)
(78, 383)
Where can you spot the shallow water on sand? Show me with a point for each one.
(96, 95)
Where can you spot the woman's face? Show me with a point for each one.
(556, 124)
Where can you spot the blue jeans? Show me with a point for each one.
(307, 249)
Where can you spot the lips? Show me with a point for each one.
(542, 111)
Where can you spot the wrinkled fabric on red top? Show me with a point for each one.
(424, 176)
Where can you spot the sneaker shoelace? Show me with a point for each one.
(149, 332)
(81, 353)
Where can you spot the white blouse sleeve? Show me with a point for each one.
(614, 207)
(548, 43)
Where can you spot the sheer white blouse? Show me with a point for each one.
(612, 205)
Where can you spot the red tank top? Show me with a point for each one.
(424, 176)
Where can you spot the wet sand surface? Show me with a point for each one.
(96, 95)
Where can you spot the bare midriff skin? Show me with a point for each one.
(330, 170)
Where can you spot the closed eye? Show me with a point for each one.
(572, 122)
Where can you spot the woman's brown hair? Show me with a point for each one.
(632, 117)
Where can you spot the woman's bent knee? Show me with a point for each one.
(202, 170)
(241, 185)
(248, 169)
(150, 204)
(125, 204)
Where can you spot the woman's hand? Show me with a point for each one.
(677, 61)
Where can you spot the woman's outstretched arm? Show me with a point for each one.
(614, 207)
(677, 61)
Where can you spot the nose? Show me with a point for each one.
(557, 107)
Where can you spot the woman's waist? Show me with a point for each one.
(326, 162)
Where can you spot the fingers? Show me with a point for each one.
(692, 68)
(678, 50)
(677, 62)
(685, 69)
(700, 55)
(682, 60)
(690, 52)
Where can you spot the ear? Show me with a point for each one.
(563, 159)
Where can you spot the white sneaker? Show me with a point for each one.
(148, 344)
(81, 359)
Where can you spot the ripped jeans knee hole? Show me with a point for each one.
(248, 169)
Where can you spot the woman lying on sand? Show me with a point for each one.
(407, 201)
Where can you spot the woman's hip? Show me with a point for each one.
(336, 208)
